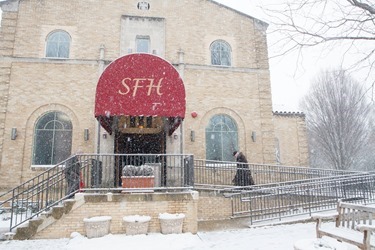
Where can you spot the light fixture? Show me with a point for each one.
(254, 136)
(192, 135)
(86, 134)
(13, 134)
(104, 135)
(175, 136)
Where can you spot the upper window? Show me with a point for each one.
(143, 44)
(58, 44)
(221, 138)
(52, 139)
(220, 53)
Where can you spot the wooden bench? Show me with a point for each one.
(354, 225)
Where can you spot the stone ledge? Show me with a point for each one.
(176, 196)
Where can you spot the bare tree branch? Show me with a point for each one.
(307, 23)
(363, 6)
(338, 120)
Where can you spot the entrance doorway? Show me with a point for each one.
(147, 105)
(133, 149)
(140, 143)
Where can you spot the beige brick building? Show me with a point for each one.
(52, 54)
(291, 144)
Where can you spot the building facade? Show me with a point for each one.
(291, 140)
(54, 54)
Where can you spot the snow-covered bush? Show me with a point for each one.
(144, 170)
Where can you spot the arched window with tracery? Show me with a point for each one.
(221, 138)
(52, 139)
(58, 44)
(221, 53)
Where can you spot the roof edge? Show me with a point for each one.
(285, 113)
(261, 22)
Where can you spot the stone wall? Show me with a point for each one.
(31, 85)
(291, 134)
(7, 35)
(213, 207)
(119, 205)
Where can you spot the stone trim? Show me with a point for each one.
(290, 114)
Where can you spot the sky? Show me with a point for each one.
(288, 82)
(291, 75)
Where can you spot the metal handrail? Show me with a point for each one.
(102, 172)
(83, 172)
(304, 198)
(240, 190)
(39, 194)
(219, 173)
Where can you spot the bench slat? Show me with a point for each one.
(349, 220)
(343, 234)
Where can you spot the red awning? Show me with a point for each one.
(140, 85)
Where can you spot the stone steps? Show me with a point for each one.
(35, 225)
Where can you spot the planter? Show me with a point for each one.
(171, 223)
(137, 181)
(136, 224)
(97, 226)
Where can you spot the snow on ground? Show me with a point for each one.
(280, 237)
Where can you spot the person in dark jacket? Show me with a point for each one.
(72, 175)
(243, 175)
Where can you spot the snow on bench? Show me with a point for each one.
(354, 225)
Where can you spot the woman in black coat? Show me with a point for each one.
(243, 175)
(72, 175)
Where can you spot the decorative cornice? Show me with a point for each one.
(284, 113)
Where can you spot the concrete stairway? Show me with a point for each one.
(29, 229)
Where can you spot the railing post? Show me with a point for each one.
(251, 212)
(278, 202)
(309, 200)
(11, 211)
(231, 199)
(189, 171)
(47, 188)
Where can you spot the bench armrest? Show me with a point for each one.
(363, 227)
(333, 215)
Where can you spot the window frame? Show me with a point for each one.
(66, 129)
(57, 54)
(216, 46)
(143, 37)
(226, 147)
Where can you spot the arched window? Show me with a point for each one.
(52, 139)
(58, 44)
(221, 53)
(221, 138)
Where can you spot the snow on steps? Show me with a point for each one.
(35, 225)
